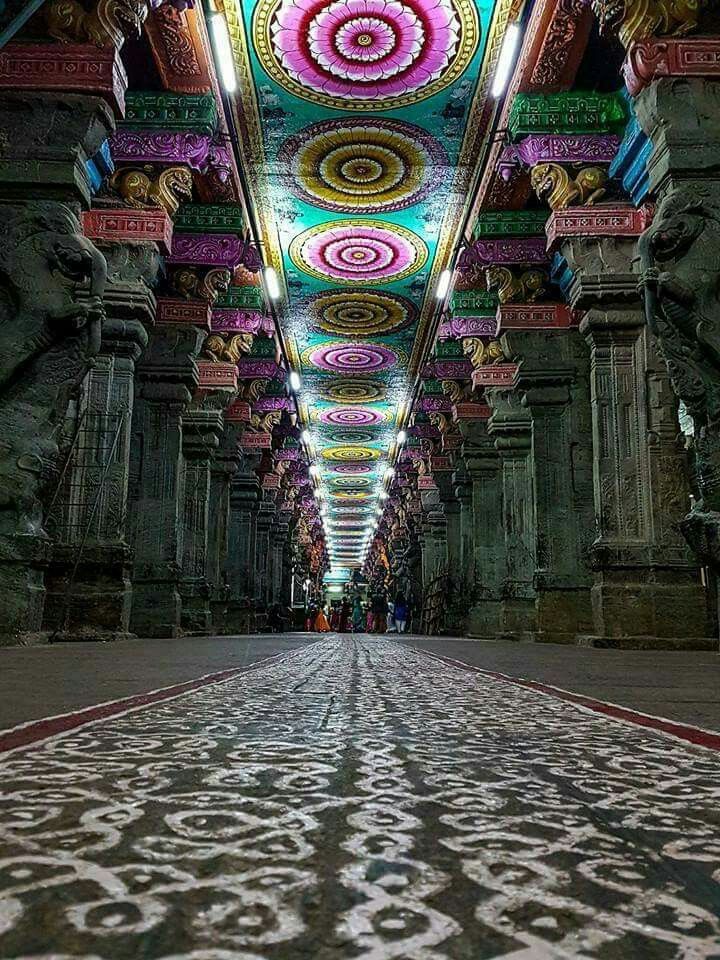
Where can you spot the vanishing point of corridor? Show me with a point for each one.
(327, 803)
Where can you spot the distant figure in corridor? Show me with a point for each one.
(358, 616)
(400, 613)
(344, 615)
(321, 622)
(380, 609)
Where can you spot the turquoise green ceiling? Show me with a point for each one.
(355, 115)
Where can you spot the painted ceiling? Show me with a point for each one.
(360, 122)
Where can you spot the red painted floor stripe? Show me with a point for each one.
(37, 730)
(694, 735)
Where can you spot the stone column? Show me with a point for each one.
(224, 466)
(511, 428)
(482, 517)
(244, 498)
(88, 583)
(679, 261)
(51, 282)
(647, 589)
(265, 517)
(201, 431)
(166, 378)
(553, 384)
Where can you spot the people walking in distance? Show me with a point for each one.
(400, 613)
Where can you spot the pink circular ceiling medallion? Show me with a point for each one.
(351, 417)
(358, 251)
(364, 51)
(352, 358)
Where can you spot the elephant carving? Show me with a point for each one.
(52, 279)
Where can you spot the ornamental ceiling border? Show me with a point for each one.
(474, 144)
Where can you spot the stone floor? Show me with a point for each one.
(358, 798)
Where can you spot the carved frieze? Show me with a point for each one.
(73, 68)
(511, 250)
(210, 218)
(217, 376)
(536, 316)
(509, 223)
(649, 60)
(496, 375)
(148, 110)
(178, 50)
(607, 220)
(575, 112)
(213, 249)
(194, 313)
(122, 226)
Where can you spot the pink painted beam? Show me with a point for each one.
(68, 67)
(536, 316)
(652, 59)
(121, 225)
(604, 220)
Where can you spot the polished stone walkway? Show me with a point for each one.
(360, 799)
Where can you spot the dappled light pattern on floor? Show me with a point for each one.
(358, 799)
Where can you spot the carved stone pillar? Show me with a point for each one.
(244, 498)
(279, 551)
(553, 384)
(647, 589)
(166, 378)
(88, 583)
(51, 282)
(265, 517)
(453, 533)
(201, 431)
(463, 495)
(511, 428)
(482, 518)
(679, 263)
(224, 466)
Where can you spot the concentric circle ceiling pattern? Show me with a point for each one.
(362, 166)
(358, 251)
(361, 54)
(361, 313)
(360, 110)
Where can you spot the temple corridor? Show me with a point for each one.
(326, 802)
(359, 479)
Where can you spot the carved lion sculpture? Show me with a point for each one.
(639, 19)
(51, 284)
(552, 182)
(144, 189)
(106, 25)
(526, 288)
